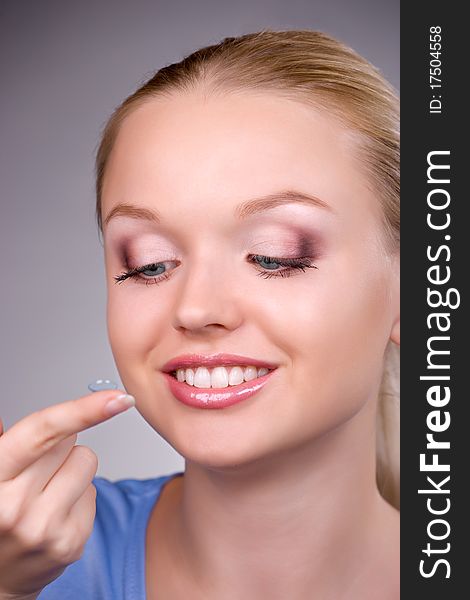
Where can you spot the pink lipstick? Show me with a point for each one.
(214, 397)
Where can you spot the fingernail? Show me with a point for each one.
(119, 404)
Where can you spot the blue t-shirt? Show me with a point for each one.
(112, 566)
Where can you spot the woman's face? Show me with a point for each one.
(196, 161)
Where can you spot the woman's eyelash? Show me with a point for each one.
(291, 266)
(135, 274)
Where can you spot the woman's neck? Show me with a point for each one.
(307, 520)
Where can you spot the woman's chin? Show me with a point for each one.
(218, 454)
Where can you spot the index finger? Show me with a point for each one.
(28, 439)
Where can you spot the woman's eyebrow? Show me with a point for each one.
(242, 211)
(256, 205)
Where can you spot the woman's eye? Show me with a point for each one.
(268, 263)
(271, 266)
(267, 266)
(148, 274)
(154, 270)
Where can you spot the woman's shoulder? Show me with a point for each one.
(116, 500)
(123, 507)
(112, 564)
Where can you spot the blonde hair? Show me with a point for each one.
(313, 68)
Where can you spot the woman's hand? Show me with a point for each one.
(47, 500)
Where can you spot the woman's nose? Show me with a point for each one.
(207, 300)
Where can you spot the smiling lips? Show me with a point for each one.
(231, 378)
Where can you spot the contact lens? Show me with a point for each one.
(102, 384)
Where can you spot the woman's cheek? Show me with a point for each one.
(355, 340)
(336, 330)
(134, 324)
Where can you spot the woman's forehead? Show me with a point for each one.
(240, 146)
(228, 122)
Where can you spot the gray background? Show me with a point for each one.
(65, 65)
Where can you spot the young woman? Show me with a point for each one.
(248, 198)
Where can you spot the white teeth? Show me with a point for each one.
(236, 376)
(219, 377)
(202, 378)
(189, 376)
(250, 373)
